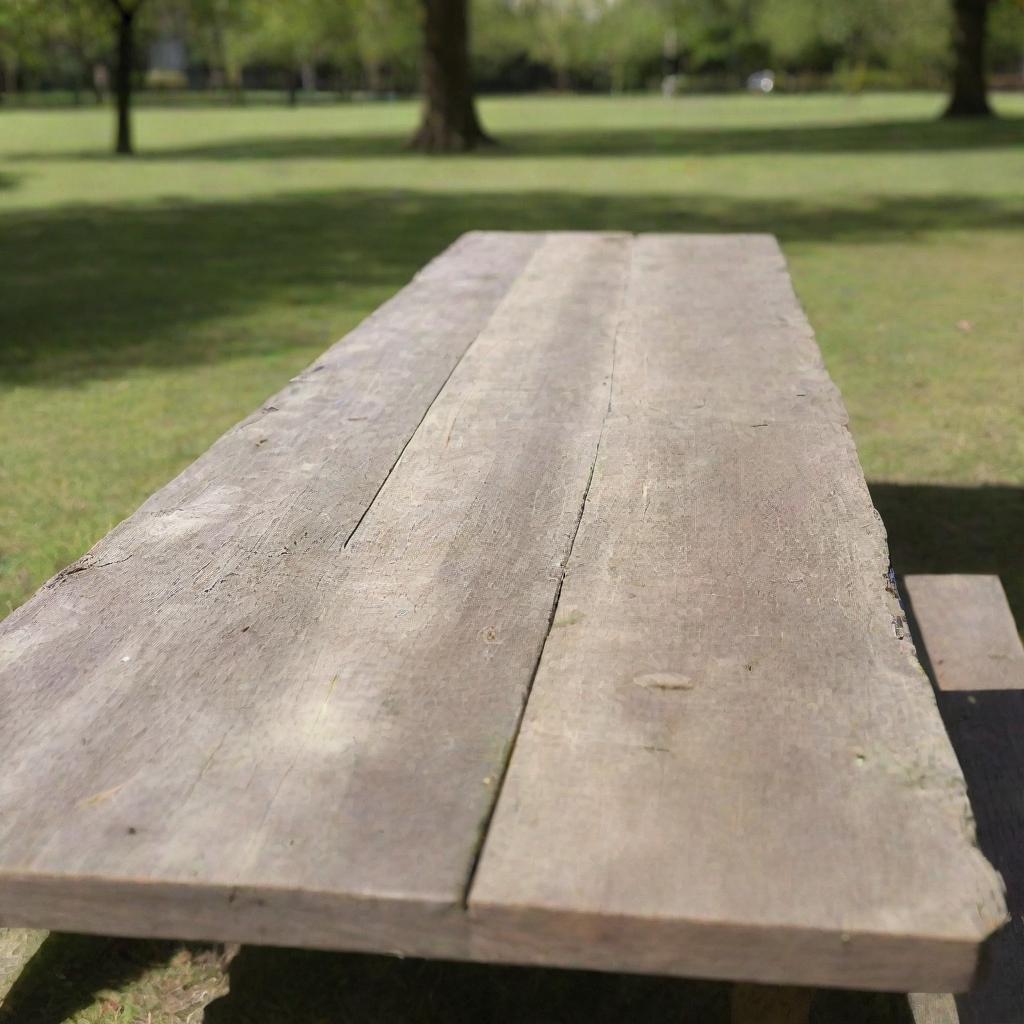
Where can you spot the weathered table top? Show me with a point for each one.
(602, 478)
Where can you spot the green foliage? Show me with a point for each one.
(386, 37)
(621, 43)
(617, 44)
(22, 34)
(1006, 34)
(560, 33)
(296, 32)
(911, 36)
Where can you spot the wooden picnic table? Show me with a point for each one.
(544, 619)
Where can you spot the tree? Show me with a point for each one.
(449, 122)
(22, 27)
(630, 38)
(218, 33)
(1005, 45)
(295, 36)
(386, 41)
(969, 87)
(125, 12)
(71, 26)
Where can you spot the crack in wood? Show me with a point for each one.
(503, 772)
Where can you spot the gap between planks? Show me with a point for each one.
(620, 319)
(535, 387)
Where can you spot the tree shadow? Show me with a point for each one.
(64, 976)
(93, 291)
(923, 136)
(939, 529)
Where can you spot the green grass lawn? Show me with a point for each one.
(148, 304)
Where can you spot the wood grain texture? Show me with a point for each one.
(933, 1008)
(968, 628)
(731, 763)
(277, 703)
(257, 703)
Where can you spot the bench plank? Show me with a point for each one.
(985, 729)
(276, 704)
(968, 628)
(731, 763)
(275, 714)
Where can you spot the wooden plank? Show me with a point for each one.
(933, 1008)
(265, 709)
(968, 628)
(731, 764)
(275, 705)
(985, 729)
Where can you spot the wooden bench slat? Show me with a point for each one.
(932, 1008)
(300, 737)
(968, 628)
(276, 704)
(731, 764)
(984, 725)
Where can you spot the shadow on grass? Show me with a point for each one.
(289, 986)
(937, 529)
(876, 137)
(298, 987)
(65, 975)
(292, 986)
(93, 291)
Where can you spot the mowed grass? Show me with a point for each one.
(148, 304)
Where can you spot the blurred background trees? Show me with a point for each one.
(304, 49)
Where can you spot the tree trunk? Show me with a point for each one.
(123, 80)
(449, 122)
(374, 78)
(10, 74)
(970, 94)
(100, 82)
(307, 74)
